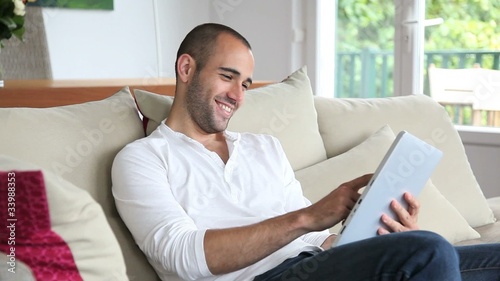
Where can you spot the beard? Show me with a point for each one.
(198, 103)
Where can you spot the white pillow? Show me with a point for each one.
(284, 110)
(436, 213)
(77, 142)
(344, 123)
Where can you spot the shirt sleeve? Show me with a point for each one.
(159, 225)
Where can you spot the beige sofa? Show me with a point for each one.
(327, 141)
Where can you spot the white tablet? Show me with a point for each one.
(406, 167)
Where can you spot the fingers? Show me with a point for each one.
(392, 225)
(403, 215)
(382, 231)
(413, 204)
(351, 189)
(407, 217)
(337, 205)
(358, 182)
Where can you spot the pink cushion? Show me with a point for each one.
(25, 215)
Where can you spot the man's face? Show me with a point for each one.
(216, 92)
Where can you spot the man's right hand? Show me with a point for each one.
(337, 205)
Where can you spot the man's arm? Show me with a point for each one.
(172, 240)
(227, 250)
(160, 226)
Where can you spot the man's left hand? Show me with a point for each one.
(407, 218)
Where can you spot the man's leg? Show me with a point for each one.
(480, 262)
(418, 255)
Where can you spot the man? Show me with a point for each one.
(202, 206)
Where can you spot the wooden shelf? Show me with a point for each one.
(48, 93)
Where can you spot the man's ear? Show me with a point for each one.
(185, 67)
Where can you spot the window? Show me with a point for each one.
(380, 53)
(364, 49)
(462, 61)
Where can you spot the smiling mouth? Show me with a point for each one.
(226, 108)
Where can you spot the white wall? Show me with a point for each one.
(267, 26)
(140, 38)
(86, 44)
(175, 19)
(483, 151)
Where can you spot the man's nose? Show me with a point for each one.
(237, 93)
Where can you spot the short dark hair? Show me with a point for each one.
(200, 42)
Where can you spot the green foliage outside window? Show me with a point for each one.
(365, 34)
(468, 24)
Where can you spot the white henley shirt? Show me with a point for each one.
(169, 189)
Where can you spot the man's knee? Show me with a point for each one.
(428, 241)
(431, 240)
(431, 249)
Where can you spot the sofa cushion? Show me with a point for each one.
(78, 143)
(436, 213)
(344, 123)
(284, 110)
(60, 230)
(489, 233)
(153, 107)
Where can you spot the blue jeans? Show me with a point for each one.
(414, 255)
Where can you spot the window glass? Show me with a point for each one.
(364, 49)
(462, 60)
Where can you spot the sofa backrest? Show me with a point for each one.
(345, 123)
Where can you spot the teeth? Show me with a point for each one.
(226, 108)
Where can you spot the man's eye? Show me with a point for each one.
(245, 87)
(228, 77)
